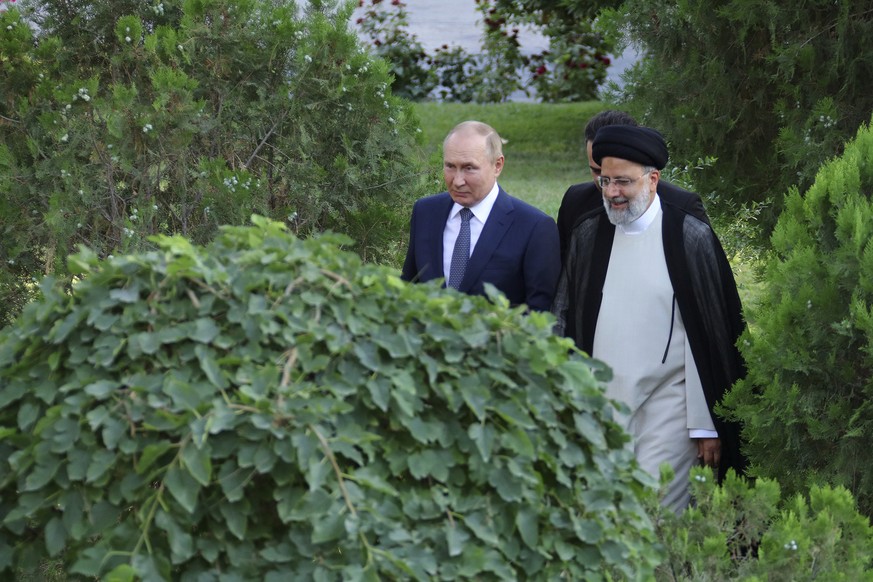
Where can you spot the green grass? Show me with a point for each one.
(544, 150)
(544, 155)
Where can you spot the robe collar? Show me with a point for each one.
(642, 223)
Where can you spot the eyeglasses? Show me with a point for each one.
(620, 183)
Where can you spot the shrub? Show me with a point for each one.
(747, 531)
(769, 89)
(124, 120)
(806, 403)
(271, 408)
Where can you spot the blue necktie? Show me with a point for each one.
(461, 254)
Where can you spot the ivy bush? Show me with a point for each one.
(808, 398)
(743, 530)
(271, 408)
(120, 120)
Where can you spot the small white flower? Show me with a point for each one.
(178, 46)
(9, 27)
(78, 225)
(126, 29)
(86, 97)
(127, 38)
(147, 128)
(307, 58)
(65, 137)
(68, 106)
(154, 206)
(11, 261)
(81, 192)
(700, 478)
(809, 304)
(391, 120)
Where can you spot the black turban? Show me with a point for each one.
(642, 145)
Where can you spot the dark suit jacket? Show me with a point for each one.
(517, 252)
(579, 199)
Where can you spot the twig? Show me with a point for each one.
(342, 485)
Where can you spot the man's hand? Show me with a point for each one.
(709, 451)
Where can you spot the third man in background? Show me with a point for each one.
(586, 196)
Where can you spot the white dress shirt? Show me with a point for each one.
(477, 223)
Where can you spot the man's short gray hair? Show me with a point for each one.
(493, 142)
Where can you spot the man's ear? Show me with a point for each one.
(498, 166)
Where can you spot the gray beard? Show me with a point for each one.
(637, 207)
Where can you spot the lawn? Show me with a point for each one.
(544, 143)
(544, 154)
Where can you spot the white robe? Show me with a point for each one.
(664, 394)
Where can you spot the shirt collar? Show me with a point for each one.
(482, 209)
(645, 221)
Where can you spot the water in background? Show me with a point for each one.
(457, 22)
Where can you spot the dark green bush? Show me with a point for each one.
(807, 403)
(269, 408)
(748, 531)
(770, 89)
(121, 120)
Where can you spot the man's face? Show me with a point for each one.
(624, 204)
(592, 165)
(468, 172)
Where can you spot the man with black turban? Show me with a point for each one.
(646, 288)
(582, 198)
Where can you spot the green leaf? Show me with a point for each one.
(27, 415)
(483, 435)
(233, 479)
(329, 528)
(183, 393)
(430, 463)
(210, 366)
(55, 536)
(236, 517)
(590, 429)
(40, 476)
(184, 488)
(527, 522)
(181, 542)
(456, 538)
(100, 464)
(204, 330)
(121, 573)
(198, 462)
(150, 454)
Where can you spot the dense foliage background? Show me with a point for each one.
(806, 404)
(122, 120)
(770, 89)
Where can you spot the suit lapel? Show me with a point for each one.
(496, 227)
(438, 227)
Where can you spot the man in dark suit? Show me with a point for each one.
(581, 199)
(476, 233)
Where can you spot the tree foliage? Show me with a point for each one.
(270, 408)
(572, 69)
(771, 89)
(125, 119)
(806, 403)
(742, 530)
